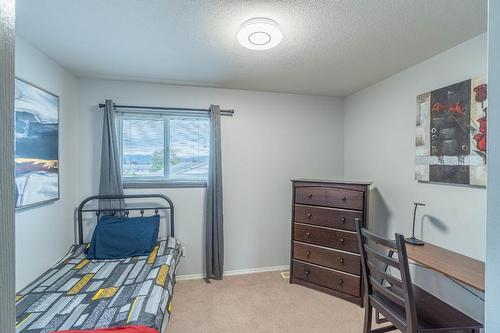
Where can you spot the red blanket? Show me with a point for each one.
(118, 329)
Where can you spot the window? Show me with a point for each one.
(167, 148)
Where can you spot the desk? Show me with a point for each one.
(454, 265)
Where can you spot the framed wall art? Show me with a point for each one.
(37, 145)
(451, 134)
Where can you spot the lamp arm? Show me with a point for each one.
(412, 240)
(414, 216)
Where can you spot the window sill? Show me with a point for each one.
(179, 184)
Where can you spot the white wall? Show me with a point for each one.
(493, 214)
(44, 233)
(380, 146)
(271, 139)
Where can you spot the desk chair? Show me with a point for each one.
(406, 306)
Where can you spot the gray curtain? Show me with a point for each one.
(111, 179)
(214, 241)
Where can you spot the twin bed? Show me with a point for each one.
(83, 294)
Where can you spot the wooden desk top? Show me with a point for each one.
(459, 267)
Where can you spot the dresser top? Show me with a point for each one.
(352, 182)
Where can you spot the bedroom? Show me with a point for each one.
(333, 97)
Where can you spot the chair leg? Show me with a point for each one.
(368, 319)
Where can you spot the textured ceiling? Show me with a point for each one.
(329, 47)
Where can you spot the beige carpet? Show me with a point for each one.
(256, 303)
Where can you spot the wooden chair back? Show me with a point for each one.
(397, 294)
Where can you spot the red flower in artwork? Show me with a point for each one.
(481, 92)
(480, 137)
(456, 108)
(438, 107)
(482, 124)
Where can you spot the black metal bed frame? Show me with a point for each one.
(125, 210)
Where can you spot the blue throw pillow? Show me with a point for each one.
(122, 237)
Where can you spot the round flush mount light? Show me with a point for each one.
(259, 33)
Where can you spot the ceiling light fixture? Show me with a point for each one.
(259, 33)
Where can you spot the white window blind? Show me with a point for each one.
(166, 147)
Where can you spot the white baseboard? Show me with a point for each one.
(236, 272)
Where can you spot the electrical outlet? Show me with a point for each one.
(183, 249)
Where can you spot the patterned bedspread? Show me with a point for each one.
(84, 294)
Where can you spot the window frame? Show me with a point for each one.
(156, 182)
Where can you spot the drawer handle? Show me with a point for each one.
(309, 195)
(309, 215)
(342, 241)
(341, 260)
(341, 281)
(344, 199)
(308, 253)
(307, 272)
(342, 219)
(308, 234)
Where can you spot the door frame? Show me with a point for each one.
(7, 211)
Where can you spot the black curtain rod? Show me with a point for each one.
(223, 112)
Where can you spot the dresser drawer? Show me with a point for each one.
(342, 261)
(340, 198)
(327, 217)
(310, 195)
(338, 239)
(328, 278)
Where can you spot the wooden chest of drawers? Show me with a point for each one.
(324, 247)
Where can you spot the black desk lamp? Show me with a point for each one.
(412, 239)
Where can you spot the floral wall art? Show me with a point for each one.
(451, 134)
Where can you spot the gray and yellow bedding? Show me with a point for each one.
(79, 293)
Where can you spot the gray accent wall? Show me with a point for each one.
(380, 146)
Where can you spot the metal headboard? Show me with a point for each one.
(82, 209)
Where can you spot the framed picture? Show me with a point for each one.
(451, 134)
(37, 145)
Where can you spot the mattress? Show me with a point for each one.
(86, 294)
